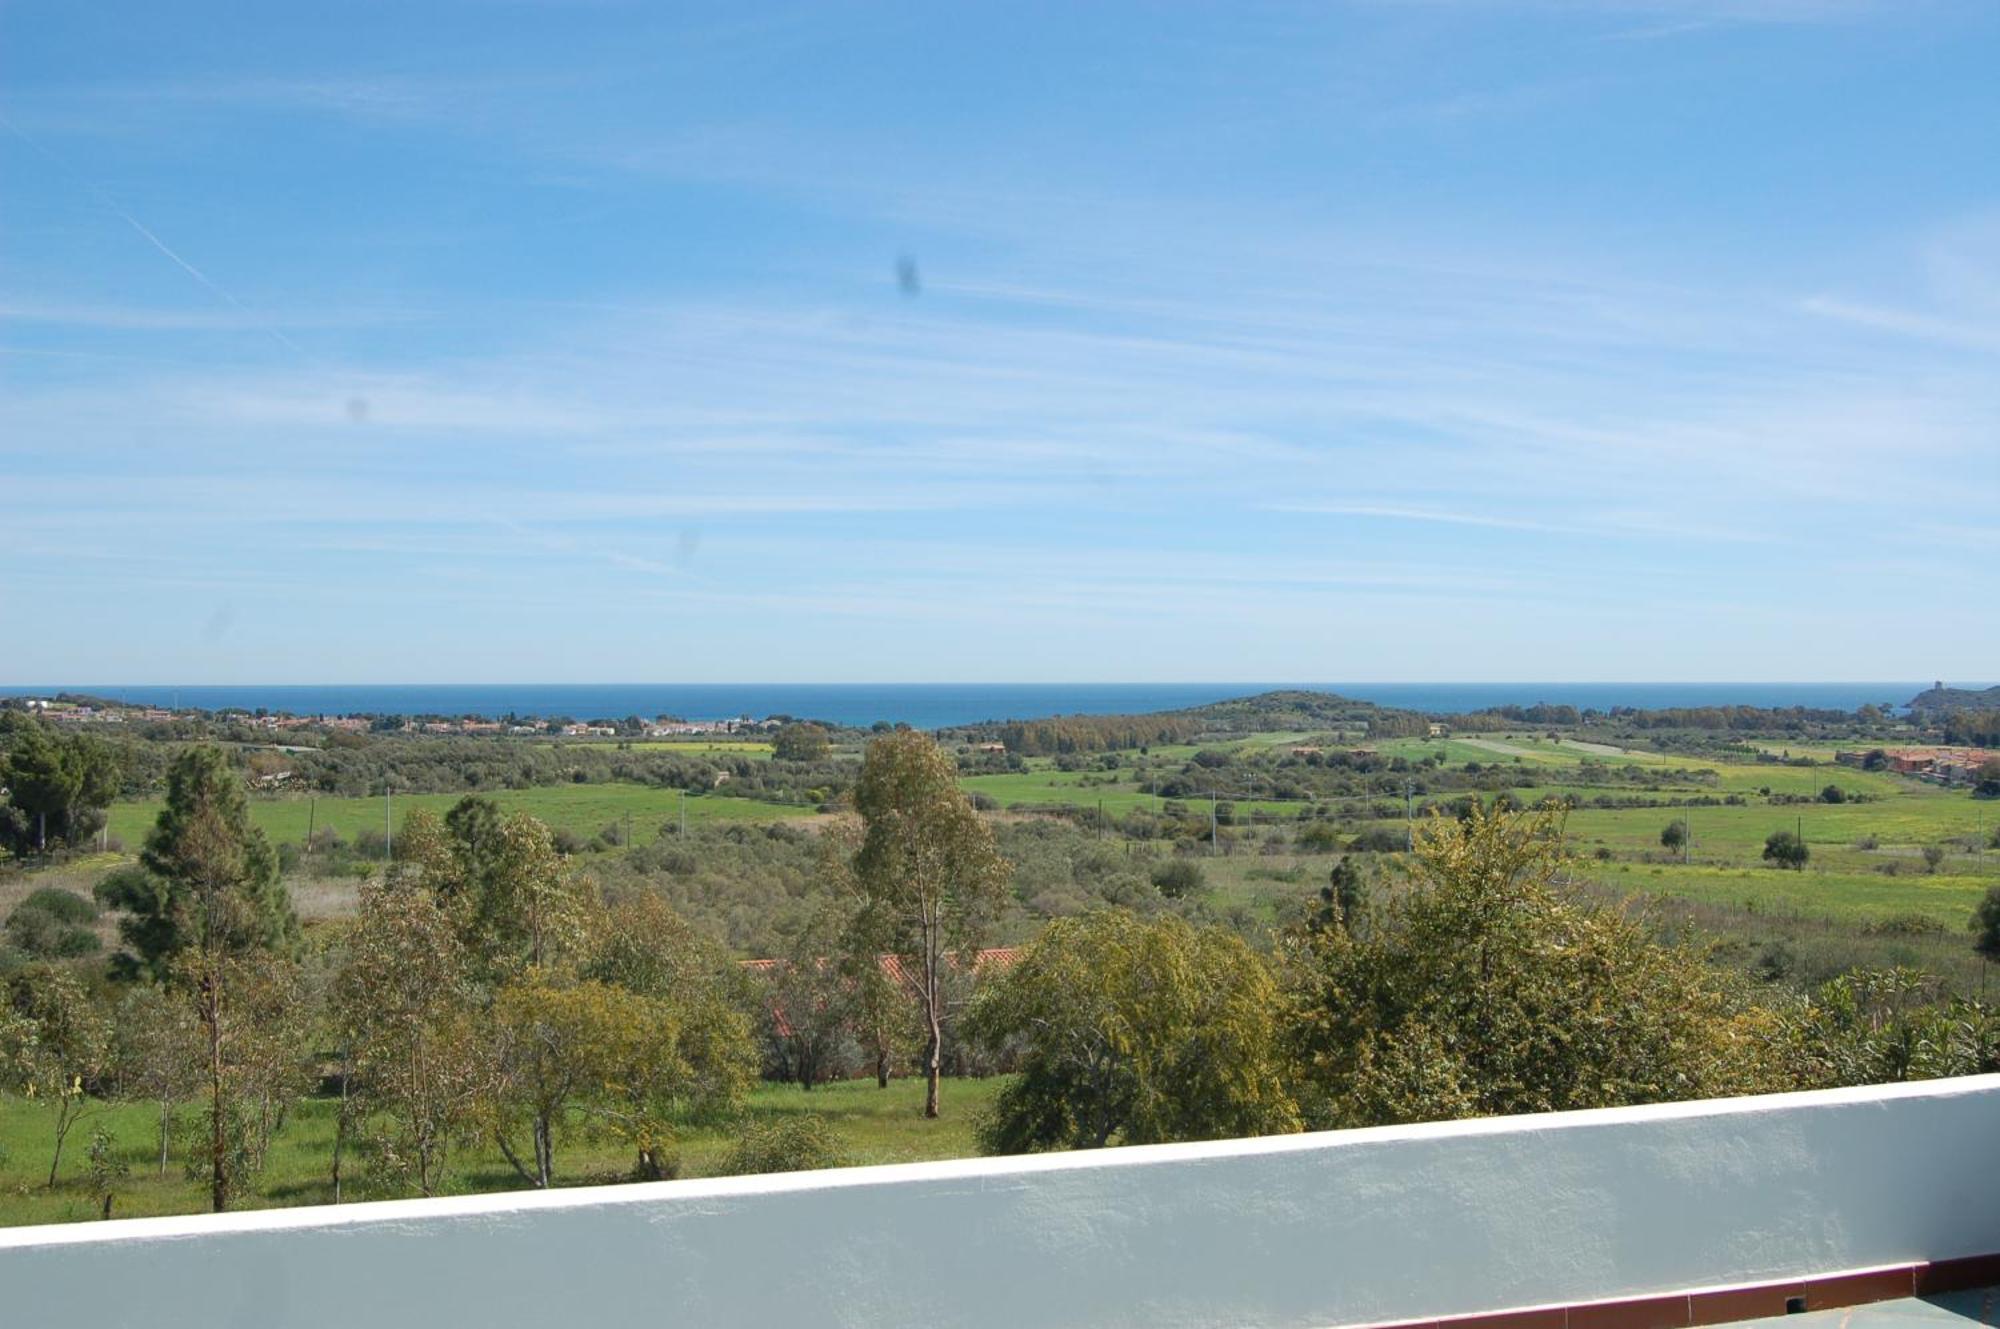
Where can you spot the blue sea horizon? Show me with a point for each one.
(941, 705)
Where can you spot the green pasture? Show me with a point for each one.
(1912, 818)
(1069, 788)
(1843, 896)
(582, 808)
(873, 1125)
(703, 747)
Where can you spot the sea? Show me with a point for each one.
(939, 705)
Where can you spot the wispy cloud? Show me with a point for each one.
(1906, 323)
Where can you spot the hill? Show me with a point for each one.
(1941, 700)
(1266, 712)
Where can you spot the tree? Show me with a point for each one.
(1786, 850)
(801, 742)
(207, 879)
(1833, 793)
(1986, 780)
(1142, 1031)
(404, 1014)
(516, 902)
(156, 1053)
(106, 1169)
(1675, 835)
(571, 1055)
(207, 911)
(809, 1001)
(1484, 989)
(929, 876)
(640, 944)
(57, 786)
(881, 1012)
(1985, 925)
(54, 1045)
(1346, 890)
(1934, 856)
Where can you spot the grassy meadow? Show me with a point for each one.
(582, 808)
(873, 1126)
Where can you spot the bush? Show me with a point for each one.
(1776, 961)
(1786, 850)
(1904, 925)
(1933, 857)
(795, 1144)
(1378, 840)
(43, 936)
(63, 906)
(1180, 877)
(1320, 837)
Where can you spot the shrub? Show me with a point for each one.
(42, 936)
(1775, 961)
(1786, 850)
(1904, 925)
(63, 906)
(1933, 857)
(1319, 837)
(1377, 840)
(795, 1144)
(1178, 878)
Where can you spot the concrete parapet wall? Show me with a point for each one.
(1396, 1224)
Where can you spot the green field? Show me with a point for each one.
(707, 747)
(582, 808)
(873, 1125)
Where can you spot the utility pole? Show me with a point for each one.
(1214, 842)
(628, 829)
(388, 827)
(684, 814)
(1409, 815)
(312, 811)
(1687, 831)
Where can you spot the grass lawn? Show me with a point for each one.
(874, 1126)
(582, 808)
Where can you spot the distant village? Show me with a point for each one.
(1941, 765)
(665, 726)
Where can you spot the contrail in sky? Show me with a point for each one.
(152, 239)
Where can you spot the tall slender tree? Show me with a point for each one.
(207, 911)
(929, 876)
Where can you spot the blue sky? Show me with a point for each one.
(1431, 339)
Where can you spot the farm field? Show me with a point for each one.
(1053, 788)
(707, 747)
(582, 808)
(873, 1126)
(1947, 897)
